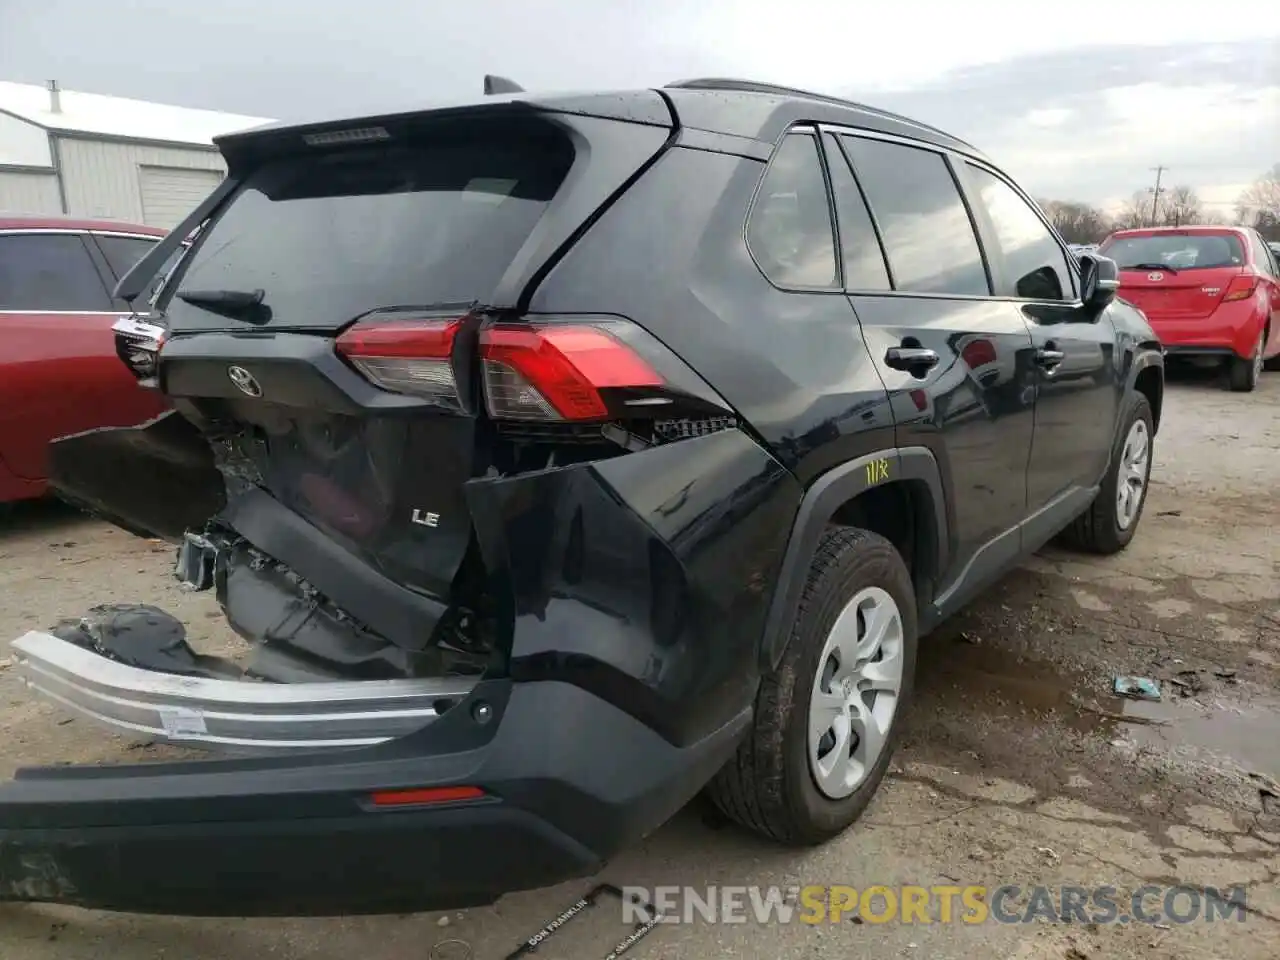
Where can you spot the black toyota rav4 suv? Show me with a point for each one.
(559, 458)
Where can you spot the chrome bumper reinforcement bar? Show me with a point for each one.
(229, 714)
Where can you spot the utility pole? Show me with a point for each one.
(1155, 194)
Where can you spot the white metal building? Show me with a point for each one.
(88, 155)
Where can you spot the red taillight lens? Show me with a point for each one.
(556, 371)
(409, 356)
(1241, 288)
(425, 795)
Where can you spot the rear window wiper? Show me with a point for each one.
(243, 305)
(1130, 266)
(228, 299)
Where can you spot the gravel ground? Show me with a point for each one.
(1019, 765)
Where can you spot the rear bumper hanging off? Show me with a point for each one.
(230, 713)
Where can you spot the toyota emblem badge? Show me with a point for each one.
(245, 381)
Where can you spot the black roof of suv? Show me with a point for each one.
(742, 108)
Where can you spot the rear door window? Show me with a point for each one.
(123, 252)
(864, 265)
(1035, 266)
(330, 236)
(789, 231)
(50, 272)
(1261, 255)
(928, 236)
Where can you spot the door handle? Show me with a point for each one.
(911, 359)
(1049, 358)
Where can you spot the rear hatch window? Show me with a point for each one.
(332, 235)
(1202, 251)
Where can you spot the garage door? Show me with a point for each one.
(170, 193)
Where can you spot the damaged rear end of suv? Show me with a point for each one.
(479, 553)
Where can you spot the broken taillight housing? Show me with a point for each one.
(138, 344)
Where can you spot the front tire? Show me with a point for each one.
(1112, 519)
(828, 717)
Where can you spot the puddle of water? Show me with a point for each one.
(1244, 731)
(991, 679)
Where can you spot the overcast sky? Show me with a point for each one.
(1078, 101)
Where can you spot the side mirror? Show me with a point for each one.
(1099, 280)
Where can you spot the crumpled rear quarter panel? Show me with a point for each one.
(644, 578)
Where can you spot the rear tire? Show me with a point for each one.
(1242, 373)
(780, 783)
(1273, 363)
(1110, 522)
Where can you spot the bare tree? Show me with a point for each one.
(1076, 222)
(1259, 204)
(1175, 206)
(1136, 212)
(1180, 206)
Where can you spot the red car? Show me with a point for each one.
(59, 370)
(1211, 294)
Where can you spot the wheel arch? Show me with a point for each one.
(1148, 379)
(897, 492)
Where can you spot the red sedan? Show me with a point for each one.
(1210, 293)
(59, 372)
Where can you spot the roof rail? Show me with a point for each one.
(754, 86)
(750, 86)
